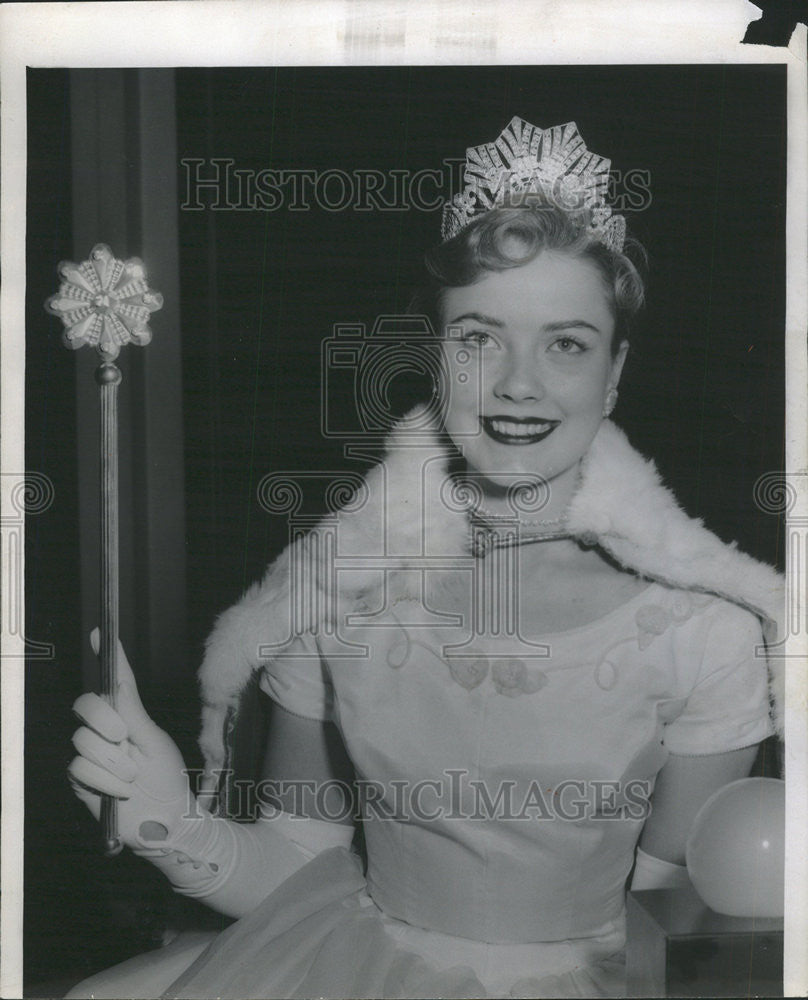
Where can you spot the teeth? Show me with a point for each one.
(505, 427)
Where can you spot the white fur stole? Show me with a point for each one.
(403, 512)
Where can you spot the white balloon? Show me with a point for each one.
(736, 849)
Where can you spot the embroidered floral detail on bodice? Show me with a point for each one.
(512, 676)
(655, 619)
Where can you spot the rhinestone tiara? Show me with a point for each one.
(552, 165)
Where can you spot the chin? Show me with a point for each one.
(532, 466)
(505, 471)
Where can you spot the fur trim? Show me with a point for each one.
(621, 503)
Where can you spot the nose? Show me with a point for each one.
(519, 381)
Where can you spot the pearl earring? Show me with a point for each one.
(610, 402)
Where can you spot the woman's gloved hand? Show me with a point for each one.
(125, 754)
(229, 866)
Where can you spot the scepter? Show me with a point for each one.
(106, 303)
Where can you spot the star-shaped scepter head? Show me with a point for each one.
(104, 302)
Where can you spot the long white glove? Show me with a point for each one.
(654, 873)
(230, 866)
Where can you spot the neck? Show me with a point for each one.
(547, 501)
(522, 518)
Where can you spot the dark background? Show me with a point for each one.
(703, 394)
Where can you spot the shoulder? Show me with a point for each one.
(720, 663)
(698, 619)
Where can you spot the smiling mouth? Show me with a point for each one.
(518, 430)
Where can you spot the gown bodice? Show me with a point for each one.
(503, 780)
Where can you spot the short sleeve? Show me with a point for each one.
(298, 680)
(728, 706)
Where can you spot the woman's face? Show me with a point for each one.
(529, 360)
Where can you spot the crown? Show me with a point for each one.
(528, 164)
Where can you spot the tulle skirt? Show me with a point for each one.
(319, 934)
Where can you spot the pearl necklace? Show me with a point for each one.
(491, 532)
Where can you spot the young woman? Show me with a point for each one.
(507, 640)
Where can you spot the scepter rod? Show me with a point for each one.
(108, 376)
(106, 303)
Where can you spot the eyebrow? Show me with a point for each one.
(571, 324)
(565, 324)
(478, 318)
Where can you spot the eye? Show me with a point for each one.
(478, 337)
(568, 345)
